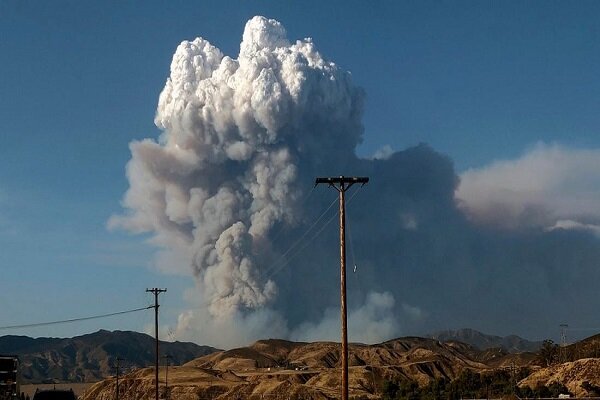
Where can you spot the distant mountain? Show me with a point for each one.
(511, 344)
(91, 357)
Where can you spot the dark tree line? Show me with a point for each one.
(469, 384)
(550, 353)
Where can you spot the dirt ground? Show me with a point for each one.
(78, 388)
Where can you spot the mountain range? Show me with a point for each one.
(91, 357)
(482, 341)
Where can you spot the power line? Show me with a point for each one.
(291, 253)
(309, 229)
(277, 234)
(294, 250)
(282, 258)
(582, 329)
(276, 268)
(66, 321)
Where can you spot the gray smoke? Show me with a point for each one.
(550, 187)
(226, 192)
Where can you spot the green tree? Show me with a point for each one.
(389, 390)
(548, 353)
(557, 388)
(409, 390)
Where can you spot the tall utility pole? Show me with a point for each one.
(342, 184)
(118, 359)
(156, 292)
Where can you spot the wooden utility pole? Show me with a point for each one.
(167, 357)
(342, 184)
(156, 292)
(117, 394)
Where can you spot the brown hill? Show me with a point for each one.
(273, 369)
(586, 348)
(91, 357)
(580, 377)
(500, 358)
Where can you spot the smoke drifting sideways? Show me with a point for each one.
(550, 186)
(225, 192)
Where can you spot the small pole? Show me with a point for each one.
(167, 357)
(156, 292)
(562, 353)
(342, 184)
(118, 359)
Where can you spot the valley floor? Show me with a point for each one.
(78, 388)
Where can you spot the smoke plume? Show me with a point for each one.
(550, 186)
(226, 194)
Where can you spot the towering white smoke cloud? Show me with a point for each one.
(224, 193)
(228, 166)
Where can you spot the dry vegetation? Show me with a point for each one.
(278, 369)
(574, 375)
(408, 368)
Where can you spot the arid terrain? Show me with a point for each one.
(477, 366)
(278, 369)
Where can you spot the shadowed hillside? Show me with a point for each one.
(91, 357)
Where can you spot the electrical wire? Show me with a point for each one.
(582, 329)
(281, 258)
(359, 284)
(65, 321)
(286, 262)
(278, 268)
(354, 267)
(282, 262)
(277, 234)
(310, 228)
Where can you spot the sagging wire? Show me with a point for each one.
(276, 234)
(290, 258)
(282, 257)
(66, 321)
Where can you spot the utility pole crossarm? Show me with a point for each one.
(342, 181)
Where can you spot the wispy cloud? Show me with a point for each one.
(547, 184)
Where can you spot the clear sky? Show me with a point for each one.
(478, 81)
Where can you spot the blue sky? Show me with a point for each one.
(478, 81)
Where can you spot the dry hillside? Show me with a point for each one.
(580, 377)
(91, 357)
(279, 369)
